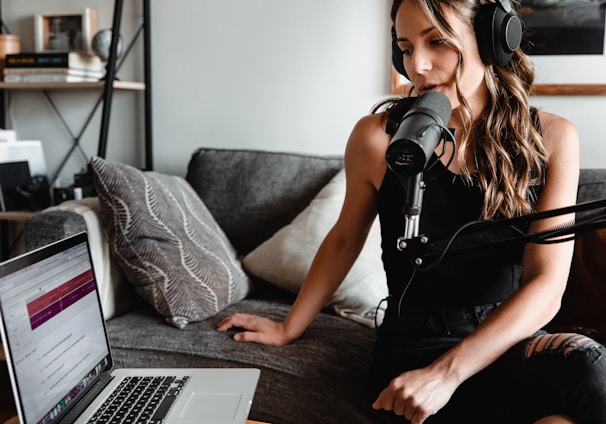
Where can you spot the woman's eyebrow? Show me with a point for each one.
(424, 32)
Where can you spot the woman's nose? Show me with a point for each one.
(421, 61)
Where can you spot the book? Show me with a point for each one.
(55, 71)
(69, 59)
(49, 78)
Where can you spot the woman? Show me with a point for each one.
(462, 342)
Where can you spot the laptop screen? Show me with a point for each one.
(53, 325)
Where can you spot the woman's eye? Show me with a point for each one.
(406, 50)
(438, 41)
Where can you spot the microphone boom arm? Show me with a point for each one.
(484, 234)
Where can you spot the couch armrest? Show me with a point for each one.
(71, 217)
(592, 185)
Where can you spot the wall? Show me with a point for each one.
(264, 74)
(268, 74)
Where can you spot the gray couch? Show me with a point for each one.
(322, 377)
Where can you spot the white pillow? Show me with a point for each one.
(285, 258)
(114, 292)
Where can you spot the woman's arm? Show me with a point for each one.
(423, 392)
(364, 169)
(545, 267)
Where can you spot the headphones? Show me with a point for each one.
(498, 31)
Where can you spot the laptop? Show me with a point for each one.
(59, 357)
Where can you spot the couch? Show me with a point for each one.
(254, 199)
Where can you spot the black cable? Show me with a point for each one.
(450, 139)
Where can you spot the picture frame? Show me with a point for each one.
(65, 31)
(566, 41)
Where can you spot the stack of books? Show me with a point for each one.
(68, 66)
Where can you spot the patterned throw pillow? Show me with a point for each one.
(167, 243)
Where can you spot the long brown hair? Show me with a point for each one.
(504, 145)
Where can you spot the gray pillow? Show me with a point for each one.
(167, 243)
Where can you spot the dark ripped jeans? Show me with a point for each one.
(547, 374)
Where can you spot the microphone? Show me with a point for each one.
(411, 147)
(419, 133)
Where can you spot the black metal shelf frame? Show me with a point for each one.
(111, 74)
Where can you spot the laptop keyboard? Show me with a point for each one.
(140, 400)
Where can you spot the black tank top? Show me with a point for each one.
(482, 277)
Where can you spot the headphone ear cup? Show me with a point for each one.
(397, 58)
(498, 32)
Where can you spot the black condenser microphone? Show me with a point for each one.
(419, 133)
(411, 147)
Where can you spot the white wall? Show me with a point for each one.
(262, 74)
(267, 74)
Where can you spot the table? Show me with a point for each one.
(7, 408)
(9, 241)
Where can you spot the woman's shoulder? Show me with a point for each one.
(366, 147)
(552, 123)
(372, 122)
(369, 131)
(559, 134)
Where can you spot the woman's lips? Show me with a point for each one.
(428, 87)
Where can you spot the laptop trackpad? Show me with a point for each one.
(211, 406)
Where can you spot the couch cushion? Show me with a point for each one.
(252, 194)
(592, 185)
(322, 377)
(167, 243)
(285, 258)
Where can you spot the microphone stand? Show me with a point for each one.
(415, 186)
(485, 234)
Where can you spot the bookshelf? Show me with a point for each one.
(108, 85)
(47, 89)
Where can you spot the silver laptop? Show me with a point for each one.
(59, 358)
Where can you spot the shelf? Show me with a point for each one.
(50, 88)
(16, 215)
(118, 85)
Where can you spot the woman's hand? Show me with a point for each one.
(416, 394)
(257, 329)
